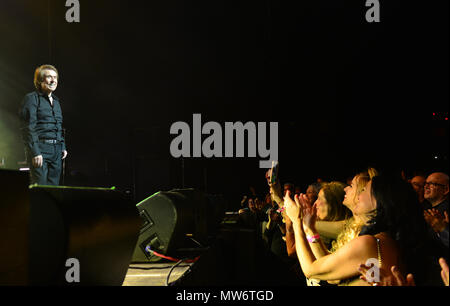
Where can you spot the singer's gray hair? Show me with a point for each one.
(39, 75)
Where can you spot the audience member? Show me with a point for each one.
(276, 193)
(331, 210)
(329, 202)
(312, 192)
(397, 279)
(248, 213)
(418, 183)
(328, 207)
(275, 231)
(330, 231)
(270, 205)
(298, 190)
(351, 226)
(243, 204)
(444, 271)
(252, 204)
(387, 235)
(288, 186)
(394, 278)
(354, 224)
(436, 192)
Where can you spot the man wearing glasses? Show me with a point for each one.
(436, 192)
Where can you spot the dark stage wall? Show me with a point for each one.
(345, 92)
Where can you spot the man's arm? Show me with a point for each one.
(59, 118)
(439, 223)
(276, 194)
(443, 235)
(28, 115)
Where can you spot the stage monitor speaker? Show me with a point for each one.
(49, 233)
(177, 223)
(14, 219)
(96, 227)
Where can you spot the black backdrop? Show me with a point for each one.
(346, 93)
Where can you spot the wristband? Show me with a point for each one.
(313, 239)
(280, 210)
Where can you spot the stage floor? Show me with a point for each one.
(153, 274)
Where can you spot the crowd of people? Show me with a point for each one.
(376, 229)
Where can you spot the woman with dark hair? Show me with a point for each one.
(400, 216)
(394, 234)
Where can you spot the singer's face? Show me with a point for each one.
(50, 81)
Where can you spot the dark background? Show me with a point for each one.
(346, 93)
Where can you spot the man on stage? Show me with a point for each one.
(42, 119)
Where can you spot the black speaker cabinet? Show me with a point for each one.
(14, 228)
(64, 235)
(98, 227)
(175, 223)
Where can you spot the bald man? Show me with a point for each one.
(436, 192)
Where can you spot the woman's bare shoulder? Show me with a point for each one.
(362, 245)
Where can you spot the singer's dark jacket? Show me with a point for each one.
(40, 120)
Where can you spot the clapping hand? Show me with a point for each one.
(436, 220)
(395, 278)
(309, 213)
(300, 209)
(292, 207)
(444, 271)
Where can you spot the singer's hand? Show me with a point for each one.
(37, 161)
(64, 154)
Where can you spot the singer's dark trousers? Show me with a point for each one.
(50, 172)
